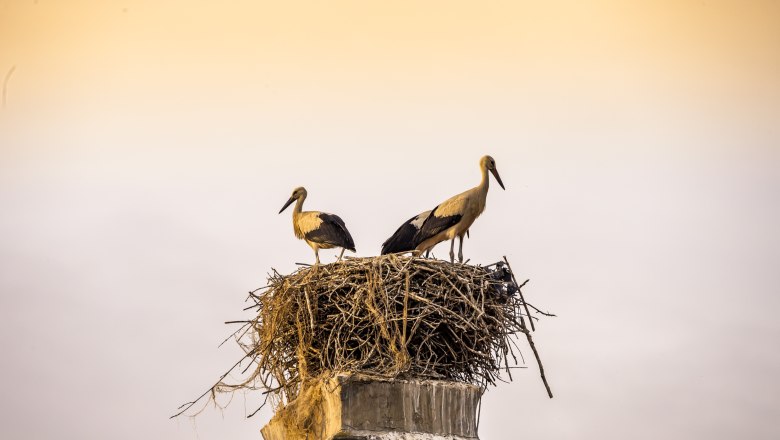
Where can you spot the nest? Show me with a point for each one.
(387, 316)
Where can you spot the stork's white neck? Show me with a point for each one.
(298, 205)
(485, 183)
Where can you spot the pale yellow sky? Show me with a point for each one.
(127, 48)
(146, 147)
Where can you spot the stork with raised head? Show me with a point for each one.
(453, 217)
(320, 230)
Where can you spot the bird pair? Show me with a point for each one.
(419, 234)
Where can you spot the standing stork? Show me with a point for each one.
(453, 217)
(320, 230)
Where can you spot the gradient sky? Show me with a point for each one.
(146, 147)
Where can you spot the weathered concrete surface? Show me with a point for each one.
(362, 408)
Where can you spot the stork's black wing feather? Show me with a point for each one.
(332, 231)
(402, 239)
(435, 224)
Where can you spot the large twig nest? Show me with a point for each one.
(388, 316)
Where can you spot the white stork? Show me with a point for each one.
(320, 230)
(453, 217)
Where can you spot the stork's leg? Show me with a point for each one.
(317, 255)
(460, 249)
(341, 254)
(452, 250)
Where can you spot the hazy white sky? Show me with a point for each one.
(147, 146)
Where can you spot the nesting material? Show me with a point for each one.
(389, 317)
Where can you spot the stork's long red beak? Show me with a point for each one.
(292, 199)
(498, 178)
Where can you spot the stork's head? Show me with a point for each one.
(298, 193)
(488, 163)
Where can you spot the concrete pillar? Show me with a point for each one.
(361, 408)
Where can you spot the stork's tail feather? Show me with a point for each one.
(394, 246)
(350, 243)
(401, 241)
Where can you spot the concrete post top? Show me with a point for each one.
(352, 407)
